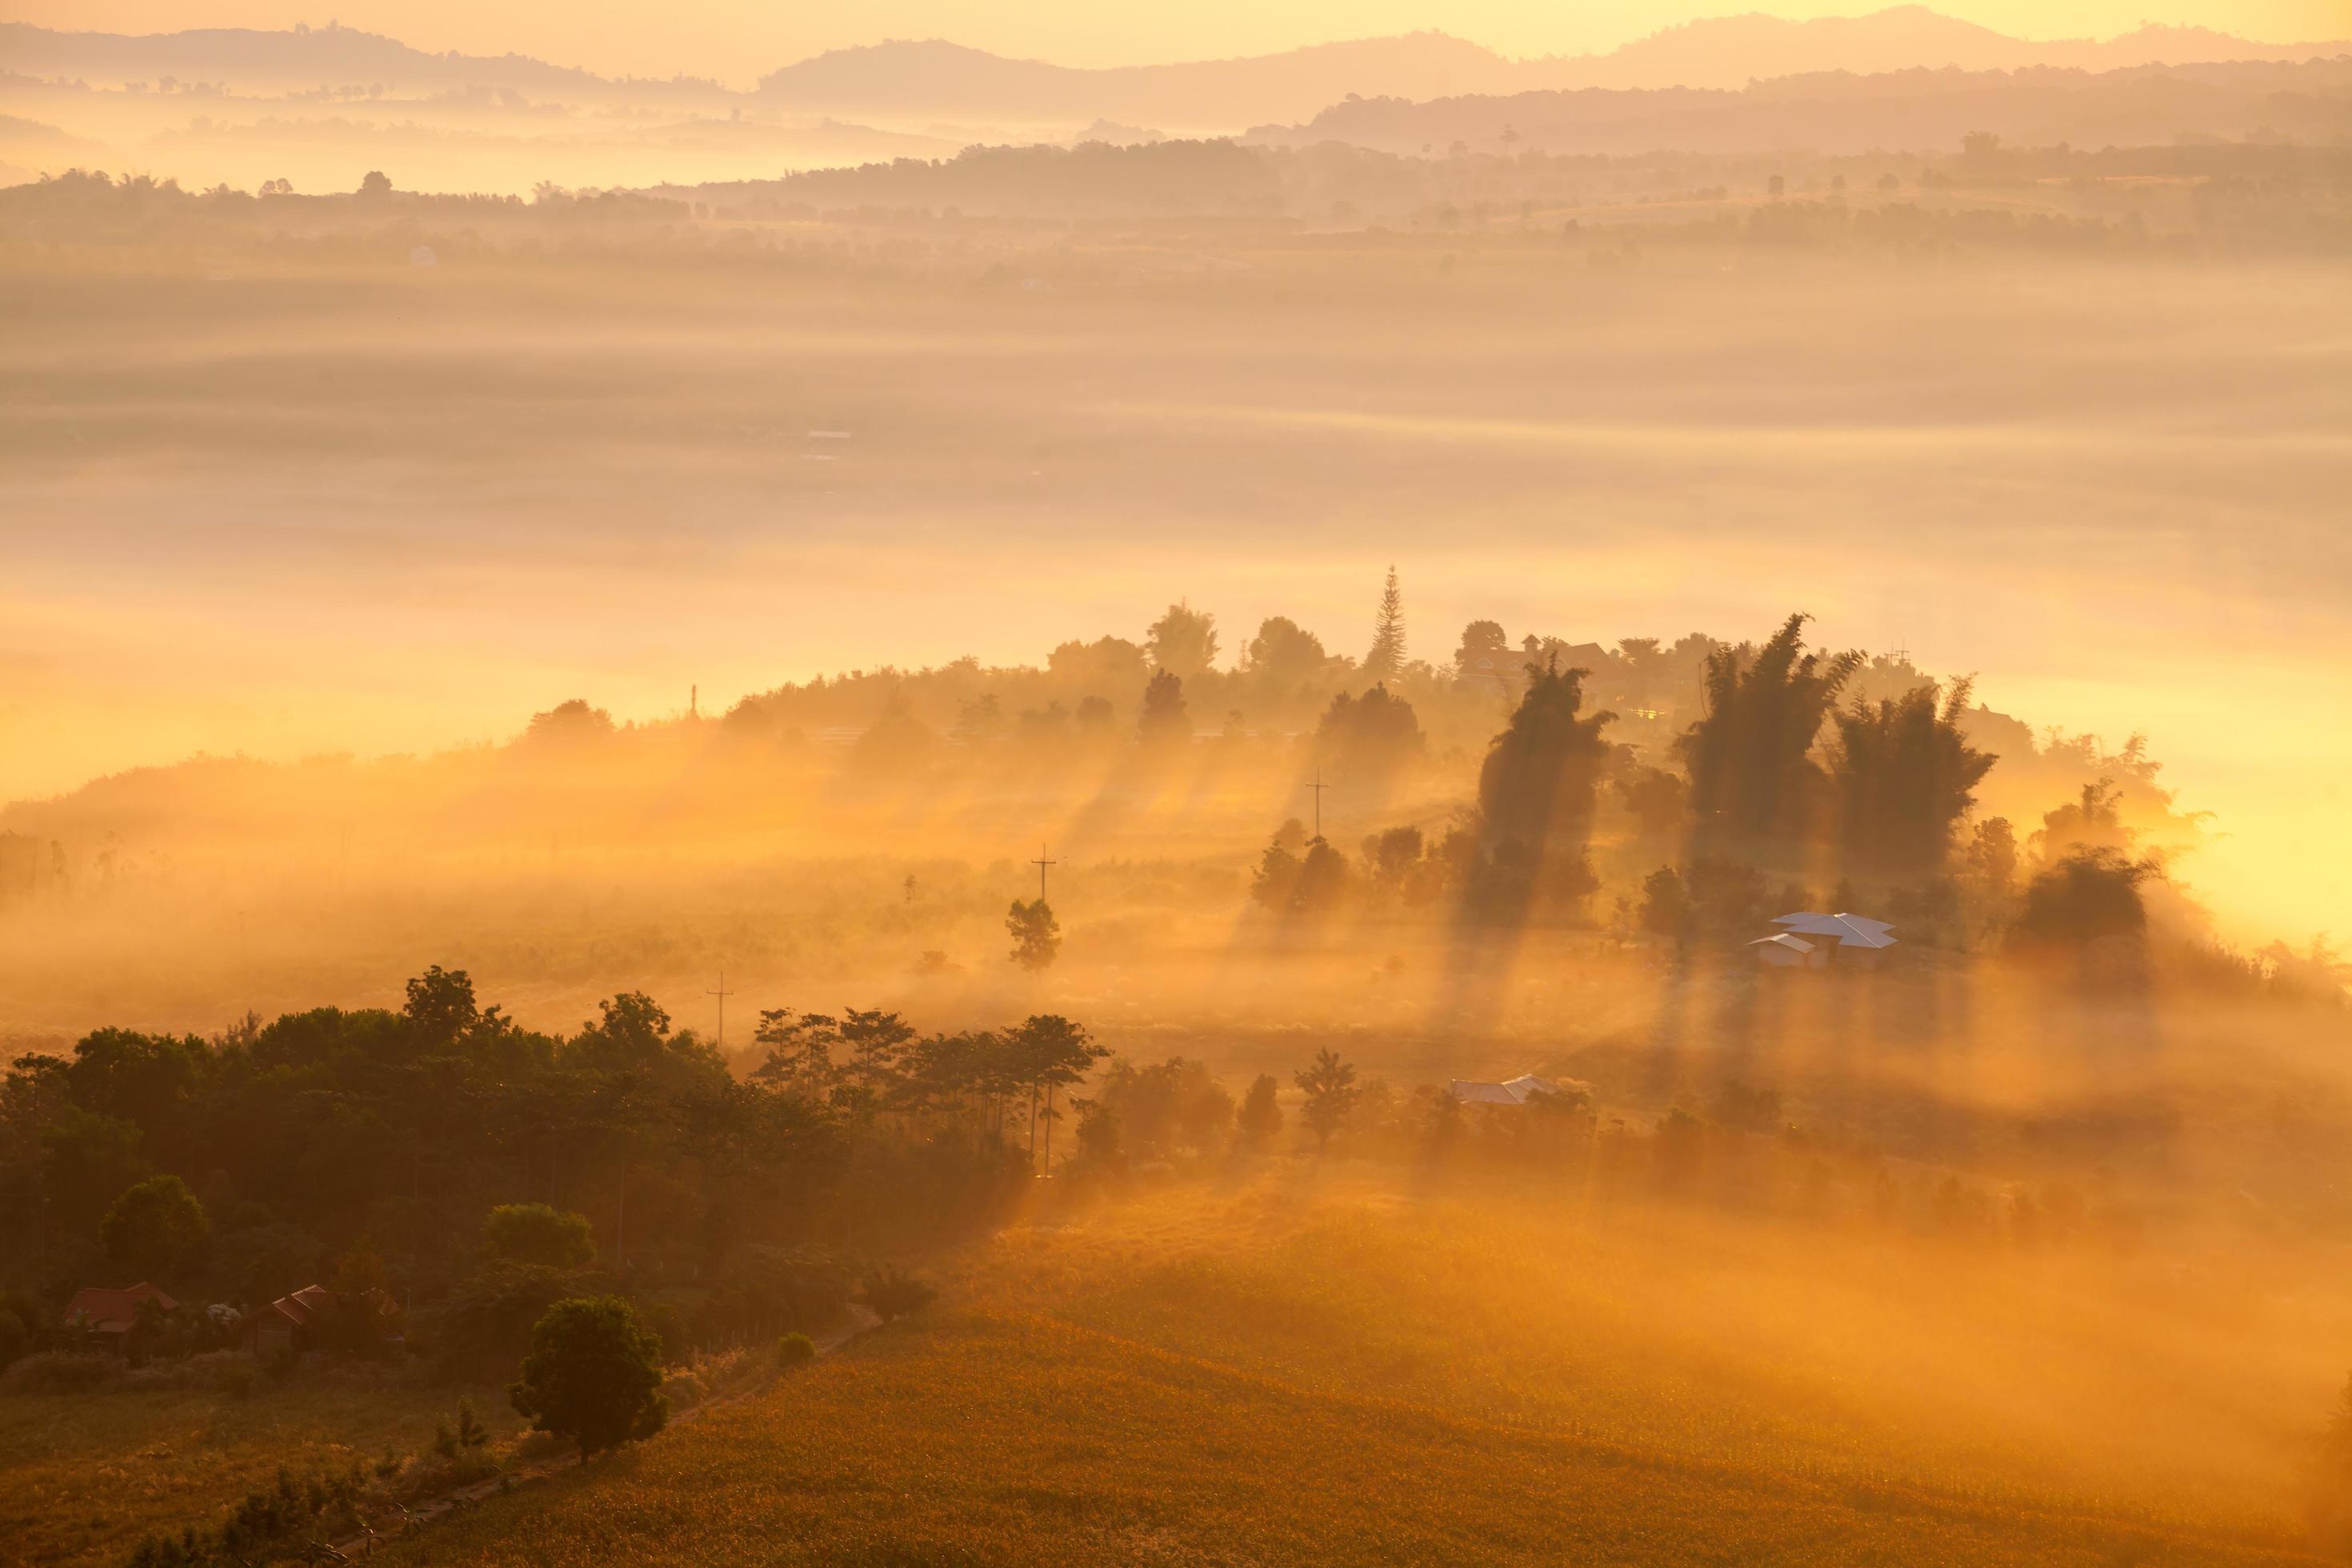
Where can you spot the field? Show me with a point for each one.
(91, 1474)
(1275, 1372)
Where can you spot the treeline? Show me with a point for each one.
(989, 206)
(1792, 788)
(381, 1154)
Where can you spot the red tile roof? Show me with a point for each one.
(113, 1312)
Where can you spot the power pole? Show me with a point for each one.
(1319, 786)
(1041, 863)
(722, 994)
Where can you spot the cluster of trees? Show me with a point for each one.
(363, 1149)
(1799, 770)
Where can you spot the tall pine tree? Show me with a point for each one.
(1387, 657)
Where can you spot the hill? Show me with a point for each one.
(1208, 1379)
(1842, 113)
(935, 79)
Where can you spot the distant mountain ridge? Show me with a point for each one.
(929, 81)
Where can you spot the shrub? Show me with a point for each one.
(593, 1374)
(893, 1295)
(537, 1233)
(794, 1349)
(60, 1372)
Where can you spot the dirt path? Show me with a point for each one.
(417, 1515)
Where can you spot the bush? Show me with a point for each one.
(893, 1295)
(60, 1372)
(794, 1349)
(537, 1233)
(592, 1374)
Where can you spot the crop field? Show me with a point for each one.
(1275, 1372)
(91, 1473)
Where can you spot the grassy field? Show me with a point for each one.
(89, 1475)
(1281, 1375)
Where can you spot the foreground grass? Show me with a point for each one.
(983, 1436)
(1276, 1374)
(83, 1477)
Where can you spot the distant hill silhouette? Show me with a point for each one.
(1838, 112)
(1731, 51)
(935, 80)
(943, 79)
(247, 59)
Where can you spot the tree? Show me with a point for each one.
(1166, 717)
(2088, 894)
(1260, 1118)
(593, 1374)
(1036, 934)
(1385, 662)
(1393, 856)
(155, 1229)
(376, 184)
(1284, 654)
(1752, 778)
(537, 1233)
(567, 724)
(1371, 736)
(892, 1294)
(1992, 857)
(1485, 651)
(1657, 800)
(1323, 880)
(441, 1004)
(1184, 642)
(1904, 773)
(363, 1317)
(1665, 904)
(1542, 773)
(1331, 1091)
(1052, 1052)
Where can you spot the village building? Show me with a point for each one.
(114, 1313)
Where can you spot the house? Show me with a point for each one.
(294, 1323)
(1811, 940)
(113, 1312)
(1513, 1091)
(1785, 951)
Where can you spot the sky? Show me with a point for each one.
(732, 40)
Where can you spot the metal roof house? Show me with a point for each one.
(1510, 1091)
(1786, 951)
(1811, 940)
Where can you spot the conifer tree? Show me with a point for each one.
(1387, 657)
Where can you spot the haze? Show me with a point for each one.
(1227, 786)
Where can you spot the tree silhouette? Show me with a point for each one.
(1903, 775)
(155, 1229)
(1331, 1091)
(537, 1233)
(1036, 934)
(1260, 1117)
(1386, 661)
(593, 1374)
(1753, 781)
(1285, 655)
(1542, 773)
(1166, 717)
(1372, 735)
(1184, 642)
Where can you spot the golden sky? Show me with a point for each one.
(736, 41)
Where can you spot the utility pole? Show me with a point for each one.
(1041, 863)
(1319, 786)
(722, 994)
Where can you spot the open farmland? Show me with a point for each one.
(164, 1457)
(1273, 1374)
